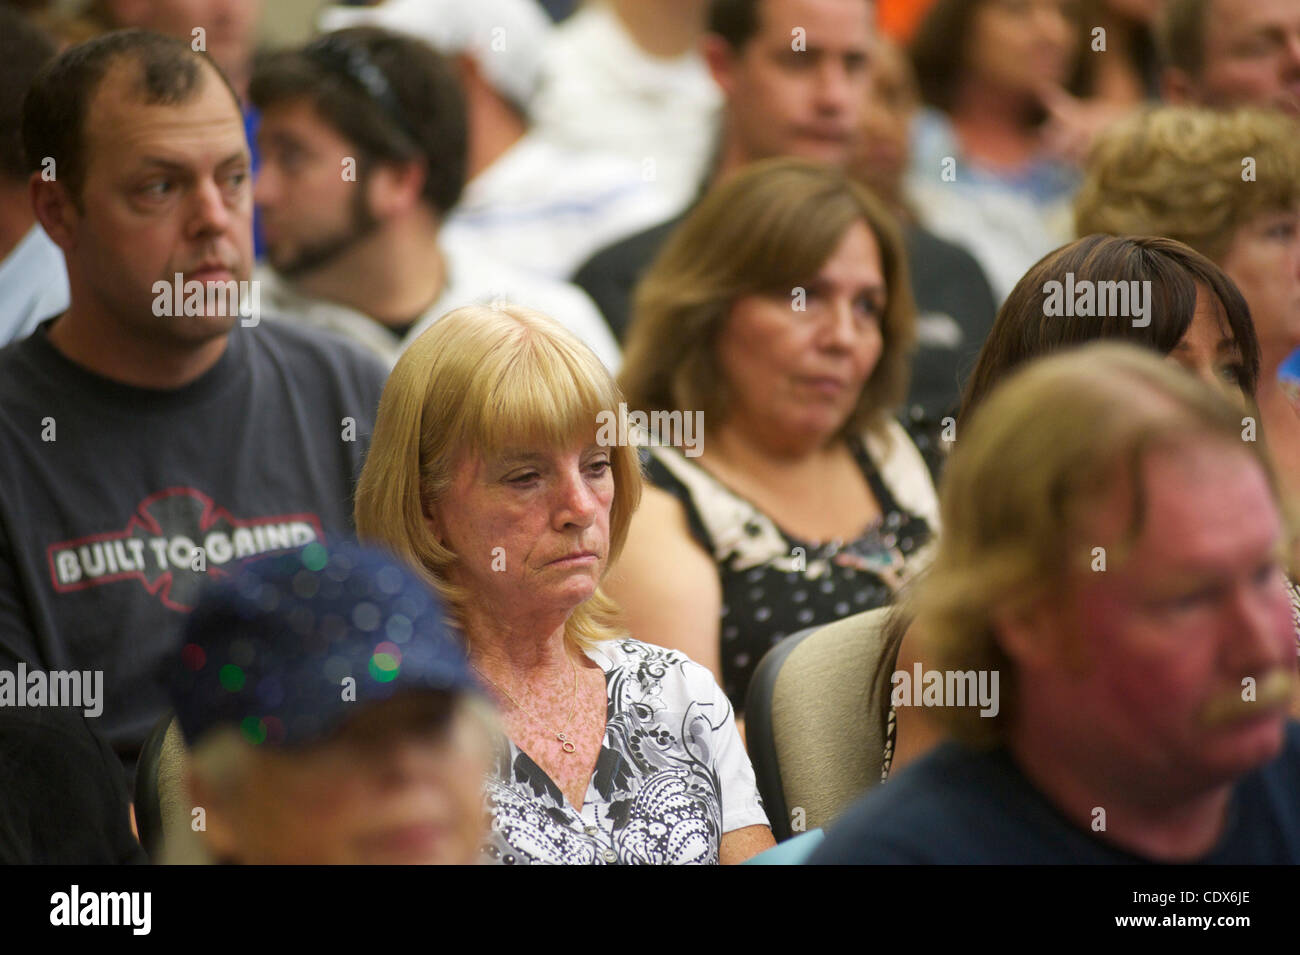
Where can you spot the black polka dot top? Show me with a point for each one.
(775, 584)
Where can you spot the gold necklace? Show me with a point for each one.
(566, 744)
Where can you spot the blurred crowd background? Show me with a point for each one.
(830, 228)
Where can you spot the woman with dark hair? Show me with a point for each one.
(1183, 307)
(1179, 303)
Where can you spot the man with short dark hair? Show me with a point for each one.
(157, 430)
(537, 203)
(33, 280)
(1231, 53)
(794, 76)
(1109, 631)
(224, 29)
(364, 149)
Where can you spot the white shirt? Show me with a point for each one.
(601, 91)
(471, 279)
(33, 285)
(546, 208)
(671, 779)
(475, 279)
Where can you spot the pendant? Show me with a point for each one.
(565, 743)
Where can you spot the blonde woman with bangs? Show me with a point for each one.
(486, 475)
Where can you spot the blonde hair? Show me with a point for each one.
(1039, 453)
(766, 230)
(479, 380)
(1179, 171)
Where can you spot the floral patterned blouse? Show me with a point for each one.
(672, 775)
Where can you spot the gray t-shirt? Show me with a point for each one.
(108, 491)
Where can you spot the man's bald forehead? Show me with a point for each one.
(163, 84)
(124, 101)
(139, 66)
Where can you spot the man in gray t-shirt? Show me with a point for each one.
(158, 432)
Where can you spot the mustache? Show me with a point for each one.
(1275, 689)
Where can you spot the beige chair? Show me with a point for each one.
(815, 720)
(163, 813)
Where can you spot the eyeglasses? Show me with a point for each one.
(335, 54)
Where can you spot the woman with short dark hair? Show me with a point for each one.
(1193, 314)
(1172, 300)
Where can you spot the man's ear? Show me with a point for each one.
(1028, 633)
(395, 187)
(55, 210)
(1038, 635)
(722, 61)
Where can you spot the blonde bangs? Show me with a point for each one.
(536, 392)
(482, 380)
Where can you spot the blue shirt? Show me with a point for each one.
(1290, 369)
(964, 807)
(252, 120)
(33, 285)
